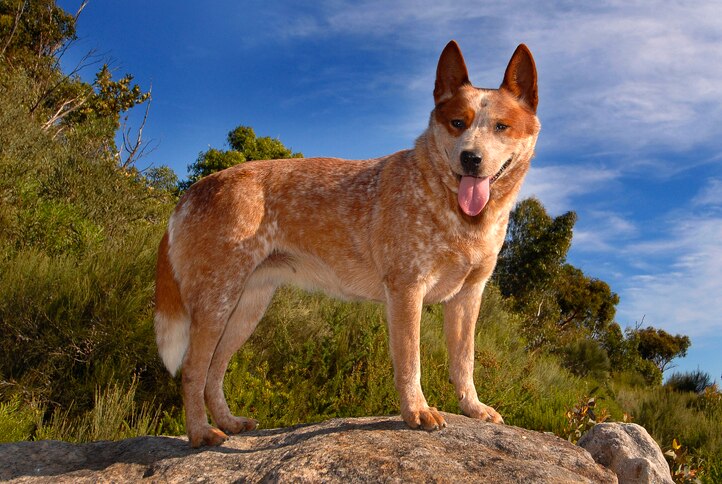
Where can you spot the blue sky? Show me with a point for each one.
(630, 105)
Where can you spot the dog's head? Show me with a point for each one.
(483, 135)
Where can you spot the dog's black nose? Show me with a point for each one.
(470, 162)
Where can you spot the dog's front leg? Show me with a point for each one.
(404, 319)
(460, 315)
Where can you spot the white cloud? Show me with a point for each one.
(683, 295)
(555, 186)
(618, 74)
(603, 231)
(711, 195)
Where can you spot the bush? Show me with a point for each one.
(695, 381)
(585, 357)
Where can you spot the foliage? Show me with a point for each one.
(582, 417)
(113, 416)
(695, 381)
(17, 419)
(586, 357)
(660, 347)
(32, 32)
(244, 146)
(162, 178)
(535, 248)
(684, 468)
(586, 304)
(560, 302)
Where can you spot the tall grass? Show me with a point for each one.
(314, 358)
(115, 415)
(694, 420)
(70, 325)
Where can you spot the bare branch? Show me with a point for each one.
(89, 59)
(136, 148)
(66, 108)
(21, 9)
(80, 9)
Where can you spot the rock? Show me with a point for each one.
(629, 451)
(339, 450)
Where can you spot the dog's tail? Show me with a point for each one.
(172, 321)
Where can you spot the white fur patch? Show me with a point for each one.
(171, 335)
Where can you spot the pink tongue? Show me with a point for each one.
(473, 194)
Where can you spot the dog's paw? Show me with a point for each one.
(482, 412)
(428, 418)
(236, 425)
(206, 435)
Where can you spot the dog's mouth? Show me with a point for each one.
(501, 170)
(474, 192)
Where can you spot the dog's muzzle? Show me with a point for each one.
(470, 163)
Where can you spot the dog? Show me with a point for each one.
(420, 226)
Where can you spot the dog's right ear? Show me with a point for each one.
(451, 73)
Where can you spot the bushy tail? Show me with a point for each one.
(172, 321)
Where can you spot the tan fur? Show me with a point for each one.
(387, 229)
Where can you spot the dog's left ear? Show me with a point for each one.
(520, 77)
(451, 73)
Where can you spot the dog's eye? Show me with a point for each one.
(500, 127)
(458, 123)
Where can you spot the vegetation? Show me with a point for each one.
(244, 146)
(79, 228)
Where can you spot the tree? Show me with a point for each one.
(586, 304)
(535, 248)
(530, 264)
(34, 34)
(660, 347)
(244, 146)
(162, 178)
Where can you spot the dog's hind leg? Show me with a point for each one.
(251, 306)
(218, 294)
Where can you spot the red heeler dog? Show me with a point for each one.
(417, 227)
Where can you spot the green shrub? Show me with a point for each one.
(585, 357)
(18, 420)
(695, 381)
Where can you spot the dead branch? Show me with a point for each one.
(21, 9)
(80, 9)
(65, 108)
(136, 148)
(87, 60)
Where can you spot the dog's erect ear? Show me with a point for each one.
(520, 77)
(451, 73)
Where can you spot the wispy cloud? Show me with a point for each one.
(682, 294)
(603, 231)
(710, 196)
(557, 185)
(623, 75)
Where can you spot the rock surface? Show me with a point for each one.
(339, 450)
(629, 451)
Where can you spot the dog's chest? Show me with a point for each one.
(441, 261)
